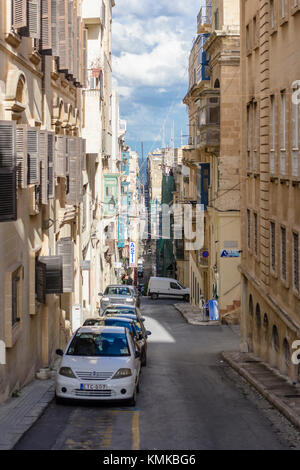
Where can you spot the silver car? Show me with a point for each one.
(117, 294)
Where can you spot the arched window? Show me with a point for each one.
(251, 305)
(275, 338)
(20, 90)
(266, 322)
(258, 316)
(286, 351)
(217, 84)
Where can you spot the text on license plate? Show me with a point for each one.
(93, 387)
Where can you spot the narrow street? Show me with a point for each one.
(189, 399)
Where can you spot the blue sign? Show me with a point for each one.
(132, 254)
(205, 254)
(230, 254)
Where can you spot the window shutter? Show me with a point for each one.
(8, 194)
(78, 29)
(60, 163)
(33, 26)
(54, 280)
(19, 13)
(70, 36)
(84, 61)
(43, 150)
(65, 249)
(32, 156)
(83, 153)
(63, 34)
(72, 196)
(21, 149)
(79, 171)
(54, 28)
(46, 25)
(68, 144)
(41, 279)
(7, 144)
(51, 182)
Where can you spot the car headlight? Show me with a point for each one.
(105, 299)
(122, 373)
(67, 372)
(129, 299)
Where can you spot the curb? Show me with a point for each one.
(16, 418)
(282, 407)
(195, 322)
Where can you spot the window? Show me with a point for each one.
(249, 228)
(256, 130)
(217, 19)
(104, 344)
(255, 38)
(296, 261)
(295, 133)
(283, 134)
(275, 338)
(282, 8)
(273, 245)
(283, 253)
(174, 285)
(249, 136)
(15, 296)
(272, 135)
(248, 39)
(272, 14)
(255, 234)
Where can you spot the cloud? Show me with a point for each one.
(151, 45)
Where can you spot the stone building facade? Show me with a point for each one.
(270, 34)
(213, 155)
(43, 178)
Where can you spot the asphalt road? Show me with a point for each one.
(189, 399)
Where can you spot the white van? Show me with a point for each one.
(167, 287)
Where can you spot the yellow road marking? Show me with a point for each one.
(135, 426)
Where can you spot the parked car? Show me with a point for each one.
(117, 294)
(137, 295)
(167, 287)
(99, 363)
(124, 309)
(137, 330)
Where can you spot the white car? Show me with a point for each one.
(99, 363)
(167, 287)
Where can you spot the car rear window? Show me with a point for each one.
(95, 345)
(117, 291)
(124, 311)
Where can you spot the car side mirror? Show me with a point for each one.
(59, 352)
(100, 294)
(143, 319)
(148, 333)
(137, 354)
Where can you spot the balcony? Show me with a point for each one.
(204, 19)
(93, 12)
(209, 119)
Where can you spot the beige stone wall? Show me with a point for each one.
(269, 65)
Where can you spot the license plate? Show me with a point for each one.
(93, 387)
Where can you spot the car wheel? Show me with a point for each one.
(154, 296)
(186, 298)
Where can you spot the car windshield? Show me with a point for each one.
(124, 311)
(93, 322)
(95, 344)
(117, 291)
(116, 322)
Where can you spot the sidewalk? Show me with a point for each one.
(18, 414)
(193, 315)
(273, 386)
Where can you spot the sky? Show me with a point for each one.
(152, 40)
